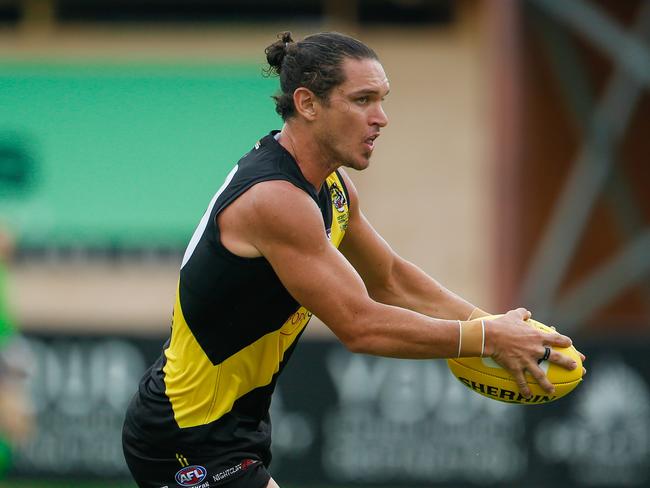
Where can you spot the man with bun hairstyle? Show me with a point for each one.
(285, 237)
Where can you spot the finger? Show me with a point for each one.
(562, 360)
(525, 314)
(541, 378)
(559, 340)
(584, 371)
(522, 384)
(583, 358)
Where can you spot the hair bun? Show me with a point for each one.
(276, 52)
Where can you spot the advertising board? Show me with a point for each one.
(348, 419)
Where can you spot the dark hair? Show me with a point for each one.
(314, 63)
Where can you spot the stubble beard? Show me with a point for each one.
(337, 158)
(356, 163)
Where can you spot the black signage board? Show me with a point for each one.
(345, 419)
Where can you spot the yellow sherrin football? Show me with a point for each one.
(486, 377)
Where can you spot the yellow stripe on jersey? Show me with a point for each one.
(201, 392)
(340, 209)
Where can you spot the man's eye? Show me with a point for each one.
(362, 100)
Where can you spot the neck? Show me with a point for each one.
(301, 144)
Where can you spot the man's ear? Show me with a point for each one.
(306, 103)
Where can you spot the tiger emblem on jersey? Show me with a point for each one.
(338, 198)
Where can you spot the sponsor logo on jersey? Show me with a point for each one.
(343, 221)
(227, 473)
(191, 475)
(338, 198)
(182, 460)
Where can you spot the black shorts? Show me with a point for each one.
(175, 470)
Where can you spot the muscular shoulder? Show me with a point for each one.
(270, 212)
(274, 197)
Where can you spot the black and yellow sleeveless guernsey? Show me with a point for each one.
(202, 410)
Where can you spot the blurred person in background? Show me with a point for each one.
(16, 417)
(284, 237)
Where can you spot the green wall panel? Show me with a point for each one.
(125, 155)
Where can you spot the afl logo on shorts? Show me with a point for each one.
(338, 198)
(191, 475)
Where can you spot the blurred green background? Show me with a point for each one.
(124, 155)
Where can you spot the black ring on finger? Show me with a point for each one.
(547, 354)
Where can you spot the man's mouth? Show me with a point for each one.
(370, 141)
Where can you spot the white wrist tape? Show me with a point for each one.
(483, 338)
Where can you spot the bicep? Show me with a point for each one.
(314, 272)
(323, 281)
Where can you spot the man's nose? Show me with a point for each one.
(379, 117)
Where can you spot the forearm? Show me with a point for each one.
(391, 331)
(409, 287)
